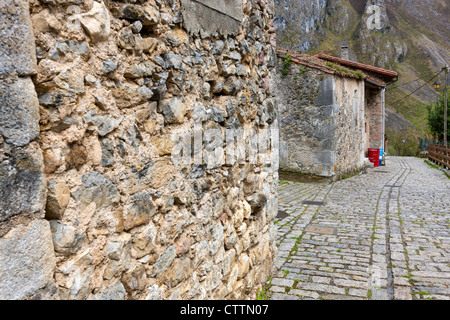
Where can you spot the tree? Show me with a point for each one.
(435, 118)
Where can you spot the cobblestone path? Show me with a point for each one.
(380, 235)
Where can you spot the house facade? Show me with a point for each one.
(332, 110)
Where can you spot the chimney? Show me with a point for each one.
(344, 53)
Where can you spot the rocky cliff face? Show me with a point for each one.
(310, 24)
(298, 23)
(410, 37)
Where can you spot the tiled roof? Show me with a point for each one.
(370, 73)
(358, 65)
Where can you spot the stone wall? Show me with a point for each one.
(374, 118)
(349, 134)
(27, 258)
(143, 158)
(321, 121)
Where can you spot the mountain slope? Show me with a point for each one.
(412, 38)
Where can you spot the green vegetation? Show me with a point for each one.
(287, 61)
(403, 143)
(263, 292)
(435, 118)
(344, 71)
(302, 70)
(436, 167)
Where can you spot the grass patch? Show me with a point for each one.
(287, 61)
(263, 293)
(436, 167)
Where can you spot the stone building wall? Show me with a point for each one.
(349, 134)
(142, 160)
(374, 115)
(321, 121)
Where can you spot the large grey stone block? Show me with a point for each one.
(326, 93)
(22, 183)
(96, 188)
(17, 46)
(19, 110)
(210, 16)
(27, 262)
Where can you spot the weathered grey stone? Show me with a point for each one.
(22, 183)
(219, 113)
(27, 260)
(58, 197)
(217, 86)
(136, 27)
(173, 60)
(107, 152)
(132, 136)
(234, 56)
(108, 66)
(64, 237)
(52, 99)
(90, 79)
(127, 96)
(19, 111)
(116, 247)
(144, 242)
(140, 70)
(126, 38)
(17, 45)
(67, 85)
(78, 47)
(102, 123)
(135, 280)
(140, 210)
(245, 48)
(115, 291)
(218, 47)
(164, 261)
(325, 97)
(96, 22)
(62, 47)
(96, 188)
(53, 54)
(173, 110)
(148, 15)
(208, 17)
(81, 281)
(231, 86)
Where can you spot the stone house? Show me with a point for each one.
(96, 98)
(332, 110)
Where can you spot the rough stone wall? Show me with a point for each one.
(321, 127)
(374, 118)
(131, 161)
(349, 124)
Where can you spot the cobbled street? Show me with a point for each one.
(383, 234)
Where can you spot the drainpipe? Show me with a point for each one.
(384, 119)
